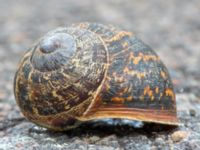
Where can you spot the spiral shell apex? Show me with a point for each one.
(91, 71)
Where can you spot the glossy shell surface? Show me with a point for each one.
(91, 71)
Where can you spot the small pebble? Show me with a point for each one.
(192, 112)
(159, 141)
(177, 136)
(93, 139)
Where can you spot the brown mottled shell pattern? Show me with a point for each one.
(91, 71)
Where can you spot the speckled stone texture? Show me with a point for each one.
(171, 28)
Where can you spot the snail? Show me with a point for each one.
(90, 71)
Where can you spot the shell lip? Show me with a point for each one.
(144, 115)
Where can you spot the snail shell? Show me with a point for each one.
(91, 71)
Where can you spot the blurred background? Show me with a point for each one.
(171, 28)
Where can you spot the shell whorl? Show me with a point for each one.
(53, 51)
(61, 73)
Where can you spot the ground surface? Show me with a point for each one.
(171, 27)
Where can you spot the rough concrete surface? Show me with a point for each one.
(171, 27)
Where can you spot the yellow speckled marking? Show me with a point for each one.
(130, 98)
(143, 57)
(118, 99)
(119, 79)
(132, 72)
(60, 98)
(163, 75)
(35, 110)
(170, 93)
(142, 98)
(125, 44)
(107, 86)
(123, 91)
(134, 59)
(152, 98)
(119, 35)
(161, 94)
(130, 88)
(149, 92)
(67, 107)
(149, 57)
(108, 78)
(126, 89)
(157, 90)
